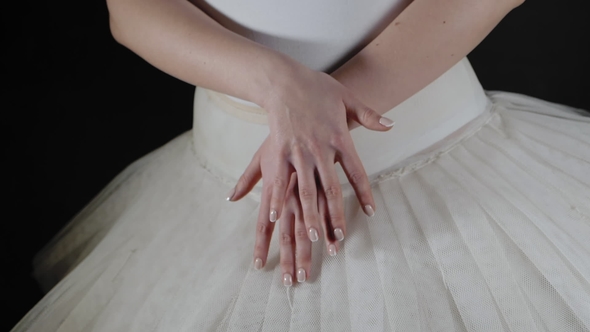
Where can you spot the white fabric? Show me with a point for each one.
(319, 34)
(490, 232)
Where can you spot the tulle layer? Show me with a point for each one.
(491, 234)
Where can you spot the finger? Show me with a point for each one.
(331, 245)
(332, 192)
(264, 229)
(247, 181)
(355, 172)
(302, 244)
(308, 197)
(279, 190)
(287, 243)
(286, 229)
(367, 117)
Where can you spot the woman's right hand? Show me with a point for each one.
(308, 116)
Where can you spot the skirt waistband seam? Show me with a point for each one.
(406, 167)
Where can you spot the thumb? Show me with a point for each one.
(369, 118)
(247, 181)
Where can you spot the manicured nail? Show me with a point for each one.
(287, 280)
(332, 250)
(369, 210)
(313, 234)
(301, 275)
(339, 234)
(386, 122)
(231, 194)
(273, 215)
(258, 263)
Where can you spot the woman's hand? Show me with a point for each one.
(295, 246)
(309, 132)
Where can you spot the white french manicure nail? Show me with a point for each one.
(273, 215)
(231, 194)
(339, 234)
(301, 275)
(287, 280)
(258, 263)
(313, 235)
(386, 122)
(332, 250)
(369, 210)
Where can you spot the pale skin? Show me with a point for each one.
(310, 113)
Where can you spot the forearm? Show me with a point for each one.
(178, 38)
(423, 42)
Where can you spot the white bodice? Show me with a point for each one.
(320, 34)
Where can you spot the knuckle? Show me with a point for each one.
(366, 114)
(297, 149)
(304, 258)
(314, 148)
(287, 264)
(260, 248)
(283, 150)
(267, 189)
(279, 182)
(301, 235)
(315, 220)
(338, 141)
(261, 228)
(337, 219)
(332, 191)
(285, 239)
(365, 194)
(355, 177)
(306, 194)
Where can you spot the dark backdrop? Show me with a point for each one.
(77, 108)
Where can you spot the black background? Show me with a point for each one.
(78, 108)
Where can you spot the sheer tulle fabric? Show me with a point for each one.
(491, 233)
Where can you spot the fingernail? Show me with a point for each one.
(273, 215)
(369, 210)
(231, 194)
(258, 263)
(301, 275)
(386, 122)
(332, 250)
(339, 234)
(287, 280)
(313, 235)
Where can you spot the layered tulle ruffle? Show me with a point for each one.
(491, 234)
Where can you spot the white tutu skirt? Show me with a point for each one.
(491, 232)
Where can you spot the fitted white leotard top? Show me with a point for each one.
(318, 33)
(322, 35)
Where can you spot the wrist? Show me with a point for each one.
(278, 76)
